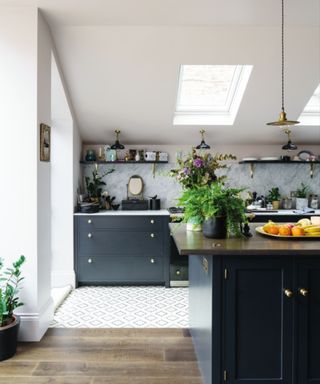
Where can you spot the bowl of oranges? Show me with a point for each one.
(302, 229)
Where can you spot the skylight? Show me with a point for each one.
(311, 112)
(210, 94)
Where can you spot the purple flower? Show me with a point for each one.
(197, 163)
(186, 171)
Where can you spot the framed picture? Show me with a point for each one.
(45, 138)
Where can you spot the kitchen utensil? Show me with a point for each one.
(154, 203)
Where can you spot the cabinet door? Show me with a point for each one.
(258, 321)
(308, 326)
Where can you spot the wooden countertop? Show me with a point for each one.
(194, 243)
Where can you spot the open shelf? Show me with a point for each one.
(279, 162)
(123, 162)
(253, 162)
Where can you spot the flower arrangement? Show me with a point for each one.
(197, 170)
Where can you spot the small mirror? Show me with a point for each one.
(135, 185)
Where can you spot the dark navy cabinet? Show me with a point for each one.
(111, 249)
(258, 326)
(256, 319)
(308, 321)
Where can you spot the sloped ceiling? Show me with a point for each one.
(121, 62)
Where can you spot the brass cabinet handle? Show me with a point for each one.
(205, 264)
(152, 261)
(303, 292)
(89, 235)
(152, 221)
(89, 261)
(288, 293)
(89, 221)
(152, 235)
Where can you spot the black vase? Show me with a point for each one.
(8, 339)
(215, 227)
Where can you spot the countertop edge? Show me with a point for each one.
(161, 212)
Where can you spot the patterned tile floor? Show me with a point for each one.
(124, 307)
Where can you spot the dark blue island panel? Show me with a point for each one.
(254, 308)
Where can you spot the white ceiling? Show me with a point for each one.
(121, 60)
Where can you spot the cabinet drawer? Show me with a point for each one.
(152, 223)
(100, 242)
(120, 269)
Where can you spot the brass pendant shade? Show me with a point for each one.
(203, 144)
(282, 121)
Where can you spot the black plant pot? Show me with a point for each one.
(215, 228)
(9, 338)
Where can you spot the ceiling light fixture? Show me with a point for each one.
(203, 144)
(289, 146)
(117, 144)
(282, 122)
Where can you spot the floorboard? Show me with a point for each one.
(105, 356)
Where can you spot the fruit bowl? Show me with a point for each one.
(303, 229)
(262, 232)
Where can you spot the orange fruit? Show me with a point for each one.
(273, 229)
(297, 231)
(284, 230)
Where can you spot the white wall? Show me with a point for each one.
(65, 162)
(25, 102)
(19, 159)
(44, 174)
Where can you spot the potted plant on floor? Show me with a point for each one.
(220, 209)
(10, 280)
(302, 196)
(274, 197)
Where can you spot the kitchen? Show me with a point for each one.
(125, 72)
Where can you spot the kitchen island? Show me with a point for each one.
(254, 307)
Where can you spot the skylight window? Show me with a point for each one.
(311, 112)
(210, 94)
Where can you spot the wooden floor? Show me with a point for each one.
(104, 356)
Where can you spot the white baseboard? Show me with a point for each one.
(34, 325)
(63, 278)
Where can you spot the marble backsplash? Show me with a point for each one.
(287, 177)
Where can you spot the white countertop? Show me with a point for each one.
(289, 212)
(161, 212)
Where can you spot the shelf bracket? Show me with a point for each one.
(311, 170)
(251, 168)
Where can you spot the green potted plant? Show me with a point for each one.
(10, 280)
(274, 196)
(218, 208)
(302, 196)
(94, 186)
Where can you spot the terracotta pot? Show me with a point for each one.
(215, 228)
(9, 338)
(276, 204)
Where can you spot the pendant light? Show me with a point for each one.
(289, 146)
(117, 144)
(203, 144)
(282, 122)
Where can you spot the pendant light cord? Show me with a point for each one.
(282, 54)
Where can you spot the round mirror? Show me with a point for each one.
(135, 185)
